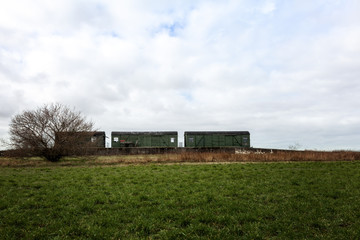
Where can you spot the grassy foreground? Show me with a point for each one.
(313, 200)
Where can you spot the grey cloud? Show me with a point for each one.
(11, 101)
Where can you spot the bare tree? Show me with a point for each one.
(51, 131)
(295, 146)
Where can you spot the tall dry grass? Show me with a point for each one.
(204, 157)
(281, 156)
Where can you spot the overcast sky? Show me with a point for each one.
(287, 71)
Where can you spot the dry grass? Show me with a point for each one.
(280, 156)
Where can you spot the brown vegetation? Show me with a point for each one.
(207, 157)
(51, 131)
(280, 156)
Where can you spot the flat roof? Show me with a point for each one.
(145, 133)
(217, 133)
(99, 133)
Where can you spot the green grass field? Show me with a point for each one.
(312, 200)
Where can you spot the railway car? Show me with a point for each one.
(89, 139)
(144, 139)
(217, 139)
(98, 139)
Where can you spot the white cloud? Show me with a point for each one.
(268, 7)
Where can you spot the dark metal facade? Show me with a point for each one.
(85, 139)
(144, 139)
(98, 138)
(217, 139)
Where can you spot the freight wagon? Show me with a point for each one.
(144, 139)
(98, 139)
(90, 139)
(217, 139)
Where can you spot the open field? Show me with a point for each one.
(293, 200)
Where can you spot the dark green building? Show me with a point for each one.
(217, 139)
(98, 139)
(86, 139)
(144, 139)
